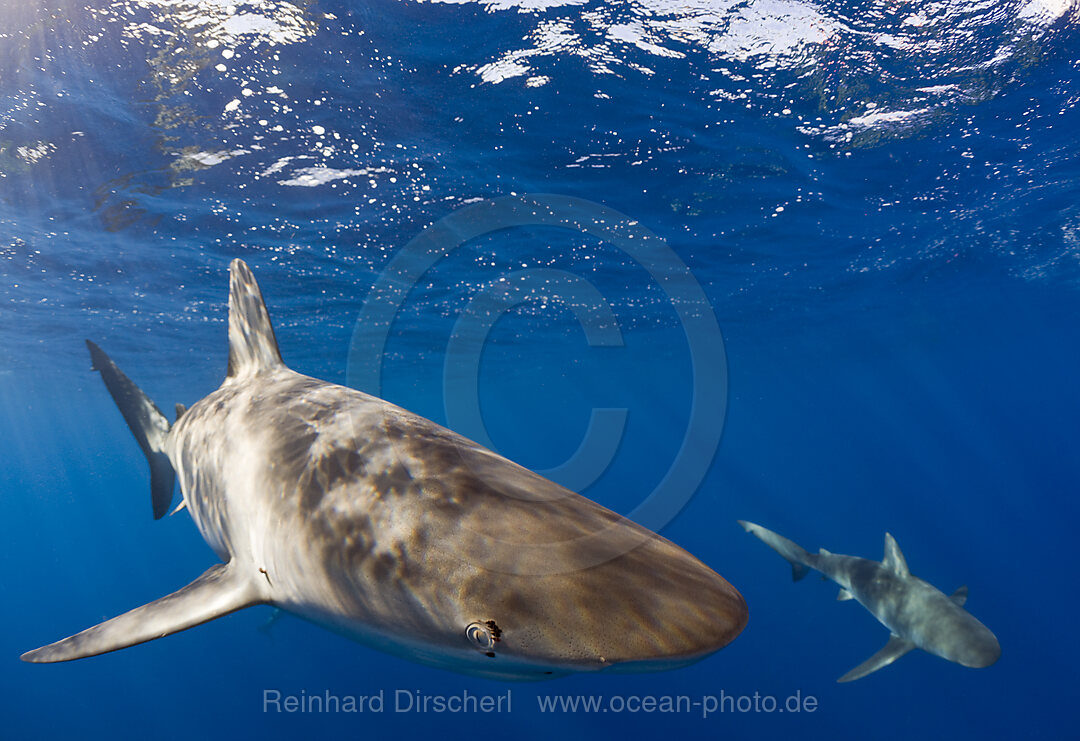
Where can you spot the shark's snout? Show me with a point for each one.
(980, 653)
(648, 610)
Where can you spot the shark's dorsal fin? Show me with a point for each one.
(960, 595)
(893, 650)
(252, 345)
(894, 560)
(219, 591)
(180, 409)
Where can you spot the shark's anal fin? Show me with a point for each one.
(960, 595)
(894, 649)
(844, 595)
(219, 591)
(147, 424)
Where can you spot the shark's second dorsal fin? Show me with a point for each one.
(252, 345)
(894, 560)
(960, 595)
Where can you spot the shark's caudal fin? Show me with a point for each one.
(147, 424)
(217, 592)
(801, 561)
(252, 345)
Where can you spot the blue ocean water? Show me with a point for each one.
(877, 199)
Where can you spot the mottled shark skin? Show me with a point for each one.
(916, 614)
(383, 526)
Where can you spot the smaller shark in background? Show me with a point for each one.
(917, 614)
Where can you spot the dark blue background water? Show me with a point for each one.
(878, 199)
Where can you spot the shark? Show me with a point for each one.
(916, 613)
(379, 524)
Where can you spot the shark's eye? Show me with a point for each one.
(482, 636)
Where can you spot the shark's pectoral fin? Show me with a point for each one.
(894, 649)
(217, 592)
(960, 595)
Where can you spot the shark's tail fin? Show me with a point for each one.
(801, 561)
(145, 421)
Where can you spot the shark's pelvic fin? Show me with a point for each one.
(795, 554)
(275, 617)
(147, 424)
(894, 560)
(894, 649)
(844, 595)
(252, 345)
(219, 591)
(960, 595)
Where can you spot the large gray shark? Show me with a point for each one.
(916, 614)
(382, 525)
